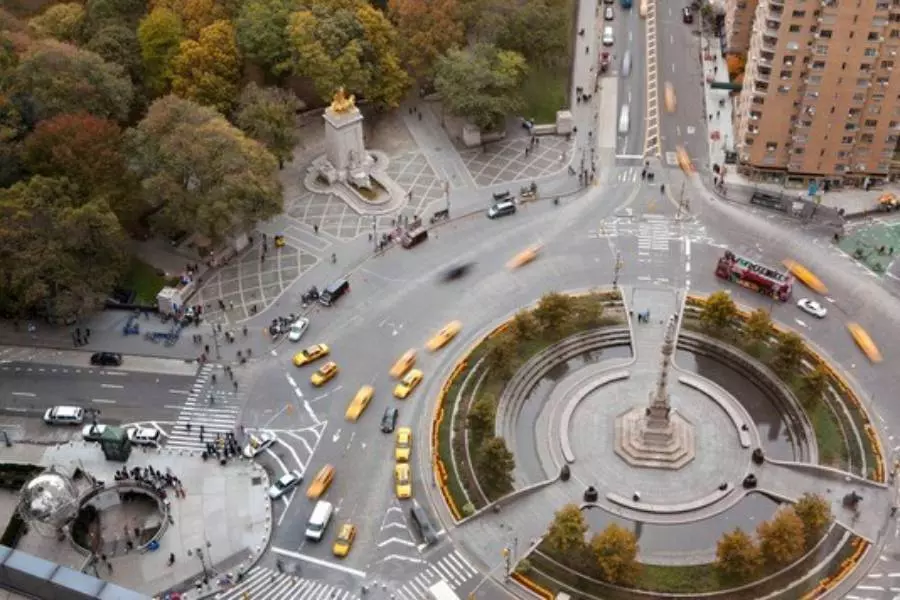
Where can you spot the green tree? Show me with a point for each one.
(719, 311)
(118, 44)
(814, 384)
(815, 513)
(195, 15)
(207, 71)
(758, 328)
(101, 13)
(502, 353)
(60, 253)
(781, 538)
(485, 20)
(159, 36)
(426, 31)
(587, 312)
(232, 182)
(788, 353)
(539, 31)
(481, 83)
(565, 536)
(61, 21)
(347, 43)
(482, 417)
(52, 72)
(553, 312)
(615, 550)
(524, 326)
(494, 465)
(262, 31)
(738, 556)
(267, 115)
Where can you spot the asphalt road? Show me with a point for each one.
(630, 37)
(122, 396)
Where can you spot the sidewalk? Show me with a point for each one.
(215, 495)
(853, 201)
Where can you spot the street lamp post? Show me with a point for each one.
(374, 233)
(447, 194)
(618, 268)
(199, 552)
(216, 341)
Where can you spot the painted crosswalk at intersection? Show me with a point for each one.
(261, 583)
(452, 568)
(217, 416)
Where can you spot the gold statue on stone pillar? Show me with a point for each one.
(341, 102)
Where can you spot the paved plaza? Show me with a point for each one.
(506, 161)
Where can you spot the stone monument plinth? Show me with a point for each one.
(346, 159)
(655, 436)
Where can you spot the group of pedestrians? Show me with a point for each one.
(80, 338)
(222, 448)
(153, 477)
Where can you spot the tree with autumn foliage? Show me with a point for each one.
(719, 311)
(738, 556)
(815, 513)
(494, 464)
(208, 70)
(195, 15)
(233, 180)
(267, 115)
(789, 353)
(159, 35)
(426, 31)
(758, 327)
(59, 78)
(781, 538)
(60, 21)
(347, 43)
(615, 550)
(565, 536)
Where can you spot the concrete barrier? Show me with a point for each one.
(671, 509)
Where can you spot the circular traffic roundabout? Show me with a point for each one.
(665, 432)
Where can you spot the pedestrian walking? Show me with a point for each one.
(87, 335)
(171, 558)
(235, 385)
(245, 331)
(316, 229)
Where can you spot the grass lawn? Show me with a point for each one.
(544, 92)
(145, 281)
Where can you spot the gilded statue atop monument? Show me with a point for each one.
(342, 103)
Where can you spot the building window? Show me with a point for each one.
(862, 82)
(866, 138)
(847, 139)
(874, 109)
(887, 64)
(818, 65)
(858, 97)
(825, 33)
(873, 36)
(794, 29)
(870, 52)
(871, 123)
(784, 74)
(798, 14)
(771, 146)
(821, 49)
(784, 89)
(798, 150)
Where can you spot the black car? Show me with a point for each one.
(389, 419)
(106, 359)
(501, 196)
(686, 15)
(457, 272)
(422, 524)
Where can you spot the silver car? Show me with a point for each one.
(812, 307)
(298, 328)
(626, 64)
(287, 482)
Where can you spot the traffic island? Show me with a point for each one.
(666, 491)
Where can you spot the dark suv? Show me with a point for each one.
(422, 524)
(686, 15)
(389, 419)
(106, 359)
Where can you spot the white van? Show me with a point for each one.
(624, 119)
(318, 520)
(609, 38)
(626, 64)
(64, 415)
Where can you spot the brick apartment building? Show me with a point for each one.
(821, 91)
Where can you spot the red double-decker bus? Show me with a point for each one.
(755, 276)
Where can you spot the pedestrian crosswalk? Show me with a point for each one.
(452, 568)
(653, 235)
(261, 583)
(216, 416)
(628, 175)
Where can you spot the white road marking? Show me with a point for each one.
(394, 540)
(179, 391)
(24, 394)
(111, 386)
(102, 401)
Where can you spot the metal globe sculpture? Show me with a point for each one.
(48, 502)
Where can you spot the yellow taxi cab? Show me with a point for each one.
(360, 402)
(670, 97)
(304, 357)
(408, 384)
(404, 445)
(325, 374)
(524, 257)
(865, 343)
(344, 541)
(403, 364)
(443, 337)
(684, 161)
(402, 481)
(320, 482)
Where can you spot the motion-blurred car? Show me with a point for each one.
(670, 97)
(408, 384)
(402, 481)
(93, 432)
(344, 541)
(443, 337)
(524, 257)
(403, 446)
(304, 357)
(106, 359)
(403, 364)
(812, 307)
(359, 403)
(282, 486)
(457, 272)
(320, 483)
(258, 443)
(298, 328)
(326, 373)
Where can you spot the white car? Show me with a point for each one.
(93, 432)
(812, 307)
(288, 482)
(258, 443)
(143, 436)
(298, 328)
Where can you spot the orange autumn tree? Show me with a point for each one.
(426, 30)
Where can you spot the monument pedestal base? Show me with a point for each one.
(645, 442)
